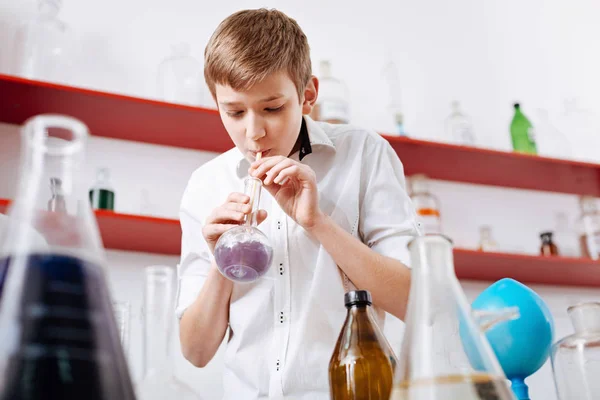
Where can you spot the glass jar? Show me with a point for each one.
(332, 103)
(589, 227)
(426, 205)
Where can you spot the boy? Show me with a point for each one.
(333, 197)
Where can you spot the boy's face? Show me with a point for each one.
(267, 117)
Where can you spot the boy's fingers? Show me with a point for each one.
(239, 207)
(265, 166)
(237, 198)
(261, 215)
(222, 214)
(213, 231)
(272, 173)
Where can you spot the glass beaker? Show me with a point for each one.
(486, 239)
(589, 227)
(44, 46)
(158, 382)
(244, 253)
(576, 358)
(102, 195)
(362, 364)
(445, 354)
(180, 77)
(58, 333)
(459, 129)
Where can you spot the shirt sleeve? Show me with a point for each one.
(388, 219)
(196, 257)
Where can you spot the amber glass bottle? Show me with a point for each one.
(362, 364)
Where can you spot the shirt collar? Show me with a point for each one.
(316, 137)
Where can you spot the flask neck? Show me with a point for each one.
(158, 321)
(585, 317)
(252, 189)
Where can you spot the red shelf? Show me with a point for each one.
(129, 118)
(163, 236)
(135, 233)
(526, 269)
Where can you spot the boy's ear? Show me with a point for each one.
(311, 93)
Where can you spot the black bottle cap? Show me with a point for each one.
(357, 297)
(546, 235)
(516, 105)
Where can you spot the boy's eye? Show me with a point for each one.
(235, 114)
(274, 109)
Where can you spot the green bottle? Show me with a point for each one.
(521, 133)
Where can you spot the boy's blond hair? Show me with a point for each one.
(250, 45)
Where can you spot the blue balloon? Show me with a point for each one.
(522, 345)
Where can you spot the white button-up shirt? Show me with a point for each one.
(284, 327)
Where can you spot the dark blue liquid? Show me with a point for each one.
(69, 345)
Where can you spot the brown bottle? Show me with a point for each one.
(362, 364)
(548, 247)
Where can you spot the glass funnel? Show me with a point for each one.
(58, 335)
(44, 46)
(576, 358)
(244, 253)
(445, 354)
(158, 382)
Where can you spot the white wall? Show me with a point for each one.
(485, 53)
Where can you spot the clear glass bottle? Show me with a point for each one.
(59, 335)
(332, 103)
(576, 358)
(44, 46)
(589, 227)
(158, 382)
(565, 236)
(392, 81)
(362, 364)
(57, 201)
(522, 133)
(486, 239)
(426, 205)
(244, 253)
(102, 195)
(445, 354)
(548, 247)
(180, 78)
(459, 128)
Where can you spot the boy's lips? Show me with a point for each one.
(265, 152)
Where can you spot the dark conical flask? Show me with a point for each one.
(58, 335)
(362, 364)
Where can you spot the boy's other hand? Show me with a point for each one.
(293, 185)
(228, 215)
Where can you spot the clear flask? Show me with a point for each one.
(426, 205)
(180, 78)
(58, 335)
(392, 81)
(102, 194)
(459, 128)
(576, 358)
(589, 227)
(158, 382)
(486, 239)
(332, 103)
(244, 253)
(445, 354)
(45, 48)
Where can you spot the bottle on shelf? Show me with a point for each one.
(565, 237)
(55, 306)
(44, 46)
(332, 104)
(522, 133)
(180, 79)
(57, 201)
(551, 141)
(158, 382)
(576, 358)
(392, 81)
(459, 129)
(582, 125)
(548, 247)
(426, 205)
(362, 364)
(589, 227)
(102, 196)
(486, 239)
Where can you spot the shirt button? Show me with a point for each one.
(278, 224)
(281, 317)
(280, 268)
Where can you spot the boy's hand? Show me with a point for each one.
(293, 185)
(228, 215)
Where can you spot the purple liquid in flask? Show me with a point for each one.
(244, 254)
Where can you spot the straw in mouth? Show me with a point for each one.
(253, 194)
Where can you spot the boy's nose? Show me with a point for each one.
(255, 129)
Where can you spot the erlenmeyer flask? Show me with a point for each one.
(435, 363)
(243, 253)
(158, 382)
(58, 335)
